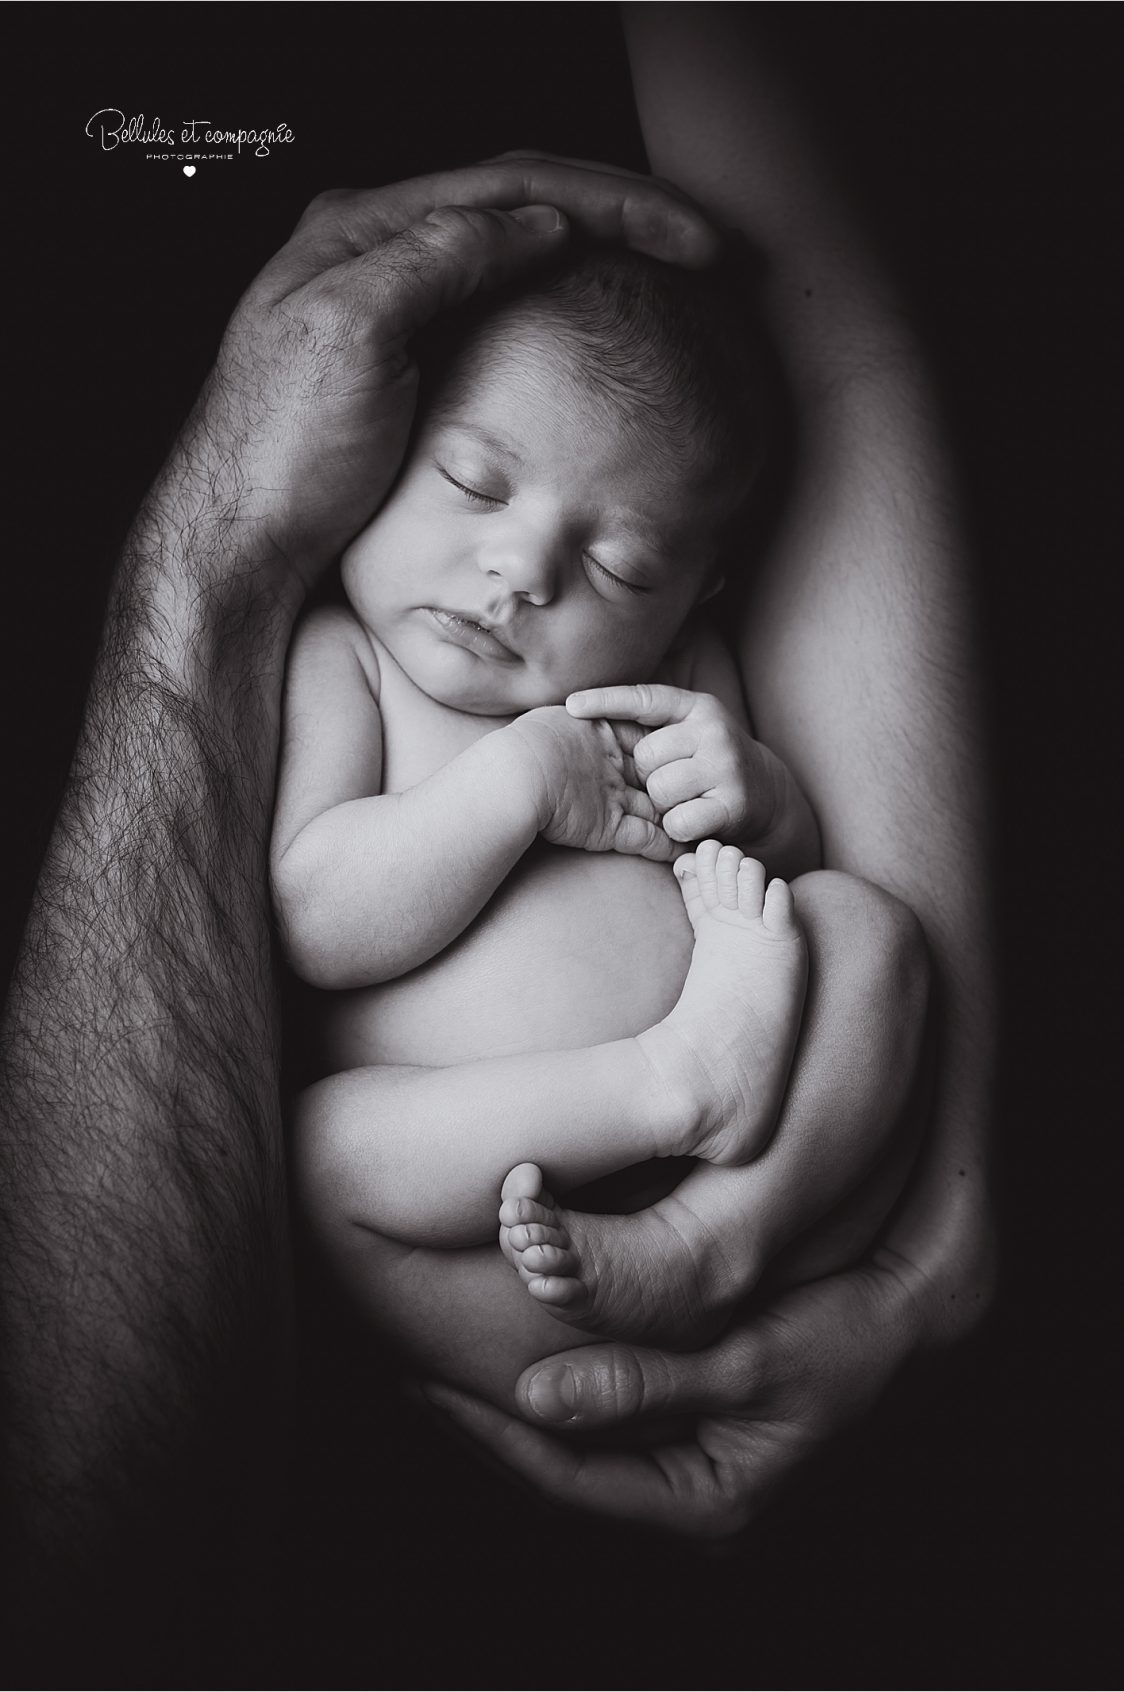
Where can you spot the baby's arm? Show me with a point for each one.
(701, 766)
(352, 869)
(369, 885)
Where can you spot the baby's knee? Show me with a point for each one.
(874, 936)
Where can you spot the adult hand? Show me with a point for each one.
(303, 422)
(765, 1396)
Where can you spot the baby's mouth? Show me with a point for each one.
(463, 630)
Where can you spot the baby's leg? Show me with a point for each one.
(464, 1316)
(419, 1154)
(459, 1316)
(844, 1135)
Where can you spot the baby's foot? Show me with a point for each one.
(725, 1049)
(648, 1276)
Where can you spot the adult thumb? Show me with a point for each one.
(602, 1384)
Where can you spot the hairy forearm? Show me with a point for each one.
(375, 887)
(144, 1272)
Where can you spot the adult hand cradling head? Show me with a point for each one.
(304, 420)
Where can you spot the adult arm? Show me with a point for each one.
(859, 657)
(144, 1280)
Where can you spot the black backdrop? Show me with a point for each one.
(967, 1542)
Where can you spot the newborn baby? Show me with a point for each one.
(490, 760)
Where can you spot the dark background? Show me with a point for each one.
(966, 1540)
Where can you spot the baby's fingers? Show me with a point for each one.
(637, 837)
(650, 703)
(698, 819)
(665, 746)
(674, 784)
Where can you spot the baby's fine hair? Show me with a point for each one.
(680, 351)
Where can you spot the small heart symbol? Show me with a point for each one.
(189, 170)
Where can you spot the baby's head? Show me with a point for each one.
(581, 453)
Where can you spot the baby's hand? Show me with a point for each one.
(703, 771)
(589, 794)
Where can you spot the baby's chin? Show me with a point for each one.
(476, 699)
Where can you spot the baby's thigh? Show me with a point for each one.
(869, 976)
(460, 1316)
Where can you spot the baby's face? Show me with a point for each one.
(534, 543)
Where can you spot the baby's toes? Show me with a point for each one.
(779, 915)
(524, 1181)
(514, 1212)
(706, 862)
(726, 877)
(548, 1260)
(558, 1290)
(526, 1235)
(750, 888)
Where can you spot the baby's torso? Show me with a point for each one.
(573, 948)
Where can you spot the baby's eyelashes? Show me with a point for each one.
(474, 495)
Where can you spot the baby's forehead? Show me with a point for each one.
(518, 366)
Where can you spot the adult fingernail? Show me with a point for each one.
(552, 1393)
(540, 220)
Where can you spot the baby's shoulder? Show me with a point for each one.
(701, 662)
(330, 637)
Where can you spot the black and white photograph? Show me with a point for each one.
(561, 950)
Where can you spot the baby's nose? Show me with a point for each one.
(526, 567)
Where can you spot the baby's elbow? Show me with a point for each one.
(313, 940)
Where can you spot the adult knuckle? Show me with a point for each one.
(622, 1386)
(324, 205)
(329, 197)
(474, 222)
(325, 318)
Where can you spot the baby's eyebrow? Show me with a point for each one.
(636, 528)
(485, 437)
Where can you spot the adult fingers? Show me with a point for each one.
(434, 264)
(599, 1385)
(537, 155)
(679, 1487)
(651, 703)
(770, 1391)
(602, 203)
(817, 1354)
